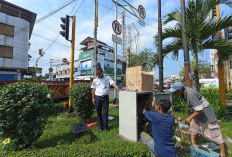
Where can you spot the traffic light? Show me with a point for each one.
(65, 27)
(214, 12)
(230, 33)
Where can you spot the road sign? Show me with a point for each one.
(141, 22)
(116, 39)
(117, 28)
(142, 12)
(50, 70)
(64, 60)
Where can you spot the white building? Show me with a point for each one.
(214, 62)
(63, 70)
(16, 25)
(83, 67)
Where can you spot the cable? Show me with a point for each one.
(73, 8)
(53, 12)
(79, 7)
(127, 16)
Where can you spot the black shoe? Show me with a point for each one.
(100, 130)
(107, 129)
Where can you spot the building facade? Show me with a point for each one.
(84, 66)
(16, 25)
(105, 57)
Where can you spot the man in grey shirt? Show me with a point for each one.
(202, 117)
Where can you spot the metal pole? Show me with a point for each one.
(220, 66)
(70, 110)
(123, 33)
(115, 55)
(95, 36)
(227, 75)
(185, 45)
(160, 48)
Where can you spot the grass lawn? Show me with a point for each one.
(59, 140)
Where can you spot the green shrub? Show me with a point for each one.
(24, 109)
(178, 104)
(81, 96)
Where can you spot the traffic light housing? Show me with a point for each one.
(65, 27)
(230, 33)
(214, 12)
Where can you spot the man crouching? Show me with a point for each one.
(162, 143)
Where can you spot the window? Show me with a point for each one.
(6, 52)
(6, 30)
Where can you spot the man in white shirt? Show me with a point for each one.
(100, 90)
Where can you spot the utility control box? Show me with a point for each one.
(131, 119)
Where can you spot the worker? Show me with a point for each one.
(100, 90)
(162, 143)
(202, 117)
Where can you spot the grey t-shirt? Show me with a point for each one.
(197, 102)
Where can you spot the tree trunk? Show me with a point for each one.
(221, 80)
(196, 84)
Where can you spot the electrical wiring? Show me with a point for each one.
(155, 27)
(79, 7)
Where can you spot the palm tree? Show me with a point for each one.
(199, 32)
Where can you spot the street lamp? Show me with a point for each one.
(179, 65)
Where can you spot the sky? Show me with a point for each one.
(47, 32)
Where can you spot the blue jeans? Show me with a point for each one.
(148, 140)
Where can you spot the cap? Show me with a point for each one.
(176, 86)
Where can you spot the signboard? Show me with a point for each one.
(111, 72)
(117, 28)
(142, 12)
(116, 39)
(108, 64)
(50, 70)
(64, 60)
(141, 22)
(86, 65)
(32, 69)
(86, 55)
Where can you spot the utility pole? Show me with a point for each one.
(129, 47)
(70, 110)
(220, 66)
(185, 45)
(160, 48)
(95, 35)
(115, 54)
(123, 33)
(41, 53)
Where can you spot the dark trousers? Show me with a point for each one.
(102, 103)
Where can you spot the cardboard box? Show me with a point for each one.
(136, 79)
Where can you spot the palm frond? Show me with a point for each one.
(173, 16)
(212, 27)
(174, 47)
(222, 45)
(207, 6)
